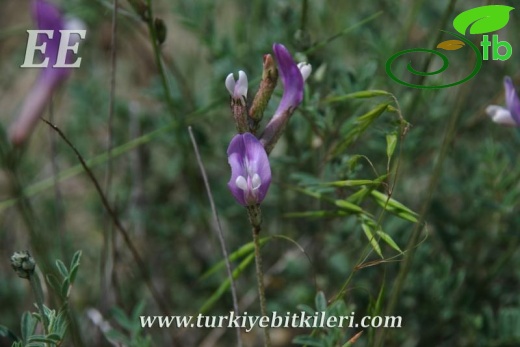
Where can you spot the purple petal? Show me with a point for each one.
(247, 158)
(512, 101)
(292, 79)
(49, 17)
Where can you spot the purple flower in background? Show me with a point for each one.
(293, 77)
(509, 115)
(250, 170)
(47, 17)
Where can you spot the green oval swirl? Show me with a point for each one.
(445, 64)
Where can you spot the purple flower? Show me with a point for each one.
(250, 170)
(509, 115)
(292, 80)
(292, 76)
(47, 17)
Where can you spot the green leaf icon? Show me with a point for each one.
(483, 19)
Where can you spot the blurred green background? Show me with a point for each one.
(463, 285)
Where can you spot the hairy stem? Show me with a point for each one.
(255, 218)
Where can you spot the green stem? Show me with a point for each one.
(260, 280)
(255, 218)
(38, 294)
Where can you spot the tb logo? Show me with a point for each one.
(69, 41)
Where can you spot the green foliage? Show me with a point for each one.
(131, 333)
(326, 337)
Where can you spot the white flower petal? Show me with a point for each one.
(500, 115)
(241, 183)
(230, 84)
(257, 182)
(305, 70)
(241, 86)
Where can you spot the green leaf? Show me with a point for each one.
(347, 205)
(306, 308)
(355, 183)
(371, 238)
(62, 268)
(391, 142)
(41, 339)
(394, 206)
(54, 337)
(483, 19)
(357, 95)
(226, 284)
(122, 319)
(385, 237)
(321, 302)
(361, 124)
(65, 288)
(28, 325)
(74, 265)
(316, 214)
(243, 251)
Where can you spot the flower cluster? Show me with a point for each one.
(247, 153)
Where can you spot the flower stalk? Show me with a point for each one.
(255, 218)
(248, 154)
(24, 266)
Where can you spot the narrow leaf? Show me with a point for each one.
(391, 143)
(388, 239)
(360, 126)
(394, 206)
(373, 242)
(347, 205)
(243, 251)
(357, 95)
(316, 214)
(321, 302)
(62, 268)
(353, 183)
(28, 325)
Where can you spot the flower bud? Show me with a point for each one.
(23, 264)
(160, 30)
(238, 91)
(262, 97)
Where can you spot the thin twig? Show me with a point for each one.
(59, 213)
(117, 223)
(218, 230)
